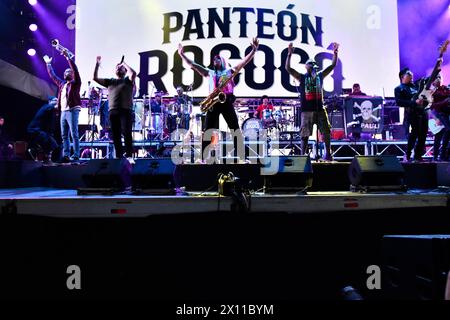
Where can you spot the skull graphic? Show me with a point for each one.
(366, 110)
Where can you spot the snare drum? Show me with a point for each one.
(251, 128)
(278, 115)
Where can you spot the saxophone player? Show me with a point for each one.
(216, 76)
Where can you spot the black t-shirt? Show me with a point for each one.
(183, 99)
(156, 107)
(311, 92)
(44, 120)
(120, 93)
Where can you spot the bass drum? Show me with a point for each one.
(251, 128)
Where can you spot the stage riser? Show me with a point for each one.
(326, 176)
(21, 174)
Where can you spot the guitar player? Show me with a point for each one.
(441, 111)
(415, 114)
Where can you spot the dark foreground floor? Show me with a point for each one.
(205, 256)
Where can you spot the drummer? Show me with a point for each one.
(265, 105)
(182, 99)
(156, 105)
(184, 106)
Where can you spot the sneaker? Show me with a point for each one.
(131, 160)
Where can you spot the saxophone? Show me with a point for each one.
(217, 96)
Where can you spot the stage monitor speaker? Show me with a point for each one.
(110, 175)
(415, 267)
(376, 173)
(287, 174)
(337, 119)
(153, 176)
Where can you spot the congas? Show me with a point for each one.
(185, 108)
(185, 121)
(172, 109)
(251, 128)
(172, 121)
(156, 123)
(139, 114)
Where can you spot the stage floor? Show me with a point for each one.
(66, 203)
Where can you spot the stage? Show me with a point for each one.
(195, 244)
(29, 188)
(67, 204)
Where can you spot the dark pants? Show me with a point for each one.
(418, 135)
(121, 124)
(44, 139)
(406, 125)
(228, 113)
(442, 137)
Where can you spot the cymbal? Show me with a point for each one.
(161, 93)
(291, 100)
(242, 101)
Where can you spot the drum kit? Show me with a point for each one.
(172, 118)
(273, 121)
(166, 122)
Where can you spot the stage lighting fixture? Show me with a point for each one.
(32, 2)
(31, 52)
(33, 27)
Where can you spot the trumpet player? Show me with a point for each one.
(217, 76)
(69, 105)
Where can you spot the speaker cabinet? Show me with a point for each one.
(153, 176)
(376, 173)
(110, 175)
(415, 267)
(287, 174)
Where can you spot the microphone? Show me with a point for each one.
(123, 58)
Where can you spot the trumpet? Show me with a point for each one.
(61, 49)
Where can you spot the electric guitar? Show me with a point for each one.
(425, 92)
(434, 125)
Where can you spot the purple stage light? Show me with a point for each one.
(32, 2)
(31, 52)
(33, 27)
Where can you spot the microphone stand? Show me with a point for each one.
(93, 122)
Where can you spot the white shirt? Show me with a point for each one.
(64, 104)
